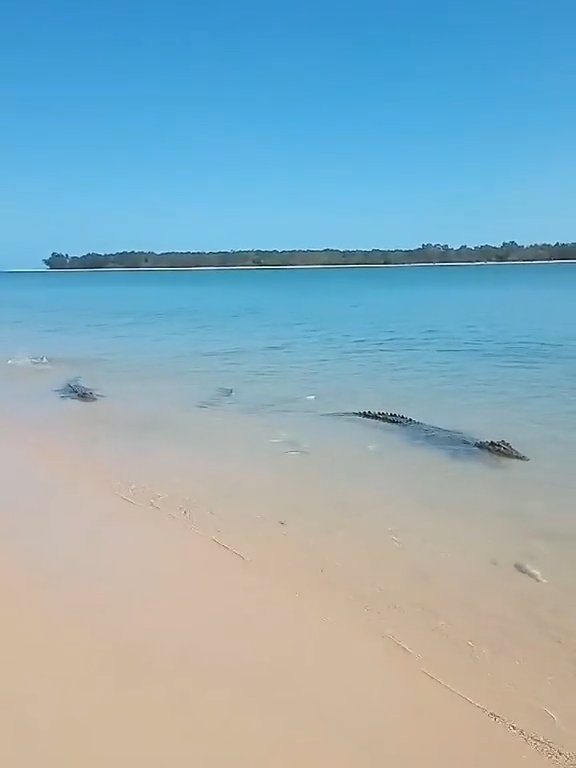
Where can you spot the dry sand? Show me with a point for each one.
(128, 641)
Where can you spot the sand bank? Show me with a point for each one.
(303, 266)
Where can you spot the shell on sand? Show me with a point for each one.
(533, 573)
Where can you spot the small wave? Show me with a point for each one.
(29, 361)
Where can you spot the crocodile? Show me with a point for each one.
(219, 397)
(447, 437)
(500, 448)
(73, 389)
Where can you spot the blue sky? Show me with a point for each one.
(240, 124)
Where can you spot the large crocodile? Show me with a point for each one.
(73, 389)
(447, 437)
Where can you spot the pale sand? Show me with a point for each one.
(128, 641)
(298, 266)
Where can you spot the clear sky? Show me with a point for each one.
(132, 124)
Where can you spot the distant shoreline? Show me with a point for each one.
(427, 254)
(257, 267)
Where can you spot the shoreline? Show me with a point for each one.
(298, 266)
(152, 639)
(322, 517)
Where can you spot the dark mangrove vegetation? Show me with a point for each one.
(427, 253)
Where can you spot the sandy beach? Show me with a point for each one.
(284, 485)
(130, 636)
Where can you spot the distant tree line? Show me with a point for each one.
(427, 253)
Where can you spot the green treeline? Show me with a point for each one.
(426, 254)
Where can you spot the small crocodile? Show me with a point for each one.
(73, 389)
(447, 436)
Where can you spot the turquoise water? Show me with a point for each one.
(426, 536)
(471, 345)
(489, 350)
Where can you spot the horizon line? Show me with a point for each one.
(46, 270)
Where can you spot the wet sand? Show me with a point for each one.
(131, 637)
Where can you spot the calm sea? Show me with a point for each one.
(226, 386)
(469, 346)
(488, 350)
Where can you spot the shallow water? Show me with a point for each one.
(486, 350)
(489, 350)
(224, 385)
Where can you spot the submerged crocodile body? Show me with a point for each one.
(447, 436)
(75, 390)
(219, 397)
